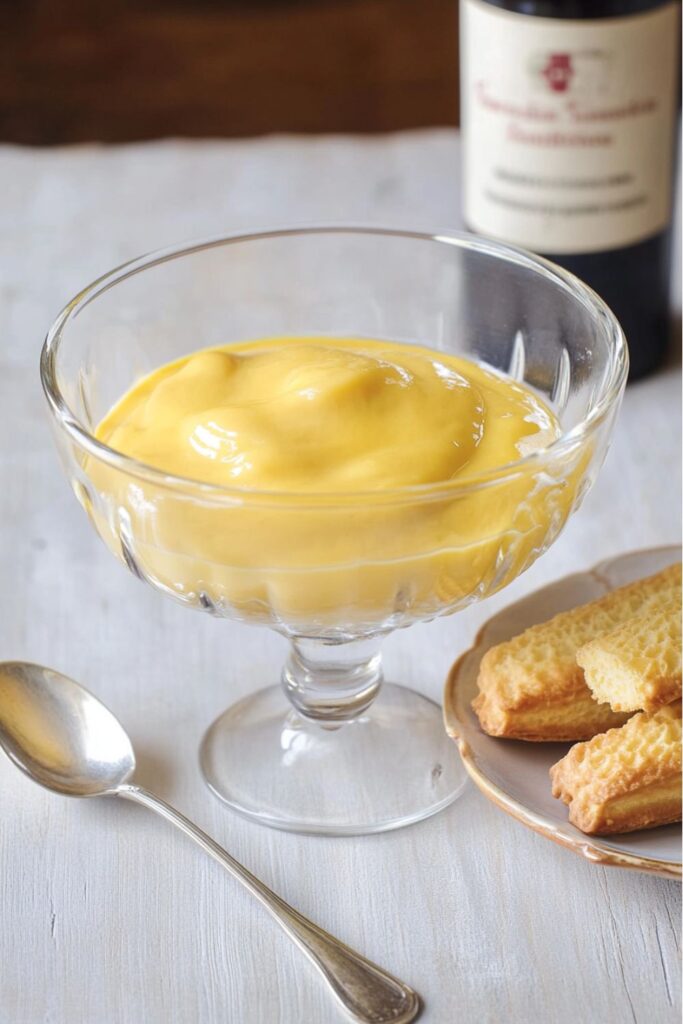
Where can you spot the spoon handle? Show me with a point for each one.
(370, 994)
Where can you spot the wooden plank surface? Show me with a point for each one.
(109, 917)
(74, 71)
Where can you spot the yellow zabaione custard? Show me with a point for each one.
(354, 481)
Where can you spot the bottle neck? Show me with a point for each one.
(578, 10)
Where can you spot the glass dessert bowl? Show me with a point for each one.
(335, 570)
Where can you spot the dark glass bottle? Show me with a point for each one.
(568, 112)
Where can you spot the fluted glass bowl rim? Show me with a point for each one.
(609, 394)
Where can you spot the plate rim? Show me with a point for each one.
(589, 848)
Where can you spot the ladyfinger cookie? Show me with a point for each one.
(624, 779)
(532, 688)
(638, 665)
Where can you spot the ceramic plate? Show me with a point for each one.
(514, 774)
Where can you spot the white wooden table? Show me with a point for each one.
(110, 917)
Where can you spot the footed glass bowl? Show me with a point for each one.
(344, 753)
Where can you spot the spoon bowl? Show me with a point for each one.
(61, 735)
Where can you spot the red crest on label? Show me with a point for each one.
(558, 71)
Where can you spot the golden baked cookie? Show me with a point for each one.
(532, 688)
(624, 779)
(638, 665)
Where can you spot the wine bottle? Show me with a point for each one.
(568, 112)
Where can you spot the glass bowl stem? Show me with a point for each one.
(332, 682)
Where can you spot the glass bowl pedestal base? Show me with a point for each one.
(351, 755)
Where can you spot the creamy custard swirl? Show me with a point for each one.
(314, 438)
(326, 415)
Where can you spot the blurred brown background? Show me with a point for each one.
(81, 70)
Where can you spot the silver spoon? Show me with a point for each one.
(65, 739)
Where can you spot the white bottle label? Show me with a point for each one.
(568, 126)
